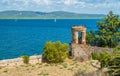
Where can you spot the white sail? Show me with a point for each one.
(54, 20)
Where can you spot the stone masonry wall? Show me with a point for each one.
(100, 49)
(80, 52)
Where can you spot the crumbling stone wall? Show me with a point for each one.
(100, 49)
(80, 52)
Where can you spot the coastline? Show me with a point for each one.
(19, 61)
(30, 18)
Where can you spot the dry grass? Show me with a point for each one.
(68, 68)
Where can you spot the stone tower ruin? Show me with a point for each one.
(78, 45)
(75, 38)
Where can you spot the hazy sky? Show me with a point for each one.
(79, 6)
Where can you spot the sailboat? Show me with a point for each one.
(54, 20)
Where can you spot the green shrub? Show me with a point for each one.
(64, 65)
(5, 71)
(95, 56)
(104, 59)
(111, 61)
(25, 59)
(116, 51)
(114, 63)
(55, 52)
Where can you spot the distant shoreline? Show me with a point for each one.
(45, 18)
(15, 14)
(19, 61)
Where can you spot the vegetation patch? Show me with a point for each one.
(55, 52)
(43, 73)
(25, 59)
(64, 65)
(108, 34)
(5, 71)
(110, 61)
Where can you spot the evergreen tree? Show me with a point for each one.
(108, 34)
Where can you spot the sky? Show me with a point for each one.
(78, 6)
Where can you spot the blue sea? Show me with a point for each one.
(27, 36)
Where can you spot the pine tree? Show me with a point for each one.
(109, 31)
(108, 34)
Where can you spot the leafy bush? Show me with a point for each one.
(95, 56)
(111, 61)
(91, 37)
(55, 52)
(114, 63)
(104, 58)
(116, 51)
(25, 59)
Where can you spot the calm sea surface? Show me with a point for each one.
(27, 37)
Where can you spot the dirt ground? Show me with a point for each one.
(68, 68)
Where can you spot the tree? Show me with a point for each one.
(108, 34)
(91, 38)
(55, 52)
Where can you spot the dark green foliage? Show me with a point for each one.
(25, 59)
(114, 63)
(104, 59)
(55, 52)
(108, 34)
(91, 37)
(111, 61)
(114, 66)
(116, 51)
(95, 56)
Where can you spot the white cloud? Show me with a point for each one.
(70, 2)
(39, 2)
(80, 6)
(47, 2)
(108, 5)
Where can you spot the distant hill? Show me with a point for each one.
(46, 15)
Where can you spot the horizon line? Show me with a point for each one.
(51, 11)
